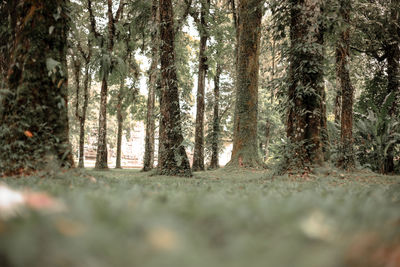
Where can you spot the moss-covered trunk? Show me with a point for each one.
(198, 156)
(245, 149)
(214, 164)
(172, 158)
(393, 73)
(346, 157)
(148, 161)
(306, 89)
(33, 113)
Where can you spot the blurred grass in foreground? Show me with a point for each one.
(217, 218)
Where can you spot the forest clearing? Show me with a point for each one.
(200, 133)
(217, 218)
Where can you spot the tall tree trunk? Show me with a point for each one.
(393, 73)
(148, 162)
(245, 149)
(214, 164)
(102, 156)
(338, 98)
(306, 90)
(33, 115)
(82, 117)
(198, 156)
(346, 158)
(120, 120)
(172, 158)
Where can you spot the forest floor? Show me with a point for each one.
(217, 218)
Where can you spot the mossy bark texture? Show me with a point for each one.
(245, 149)
(393, 72)
(148, 161)
(346, 158)
(306, 89)
(33, 108)
(172, 158)
(198, 154)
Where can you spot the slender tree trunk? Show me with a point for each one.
(267, 138)
(120, 120)
(34, 116)
(198, 156)
(245, 149)
(82, 118)
(172, 158)
(346, 158)
(102, 154)
(214, 164)
(306, 90)
(148, 162)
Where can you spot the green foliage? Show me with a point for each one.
(375, 134)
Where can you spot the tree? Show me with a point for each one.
(172, 155)
(306, 89)
(214, 163)
(148, 161)
(106, 66)
(198, 155)
(245, 149)
(377, 26)
(82, 50)
(346, 158)
(33, 111)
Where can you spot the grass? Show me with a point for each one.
(218, 218)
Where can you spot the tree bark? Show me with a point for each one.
(120, 120)
(245, 149)
(198, 156)
(82, 117)
(148, 162)
(172, 157)
(306, 90)
(102, 154)
(33, 114)
(346, 158)
(214, 164)
(393, 73)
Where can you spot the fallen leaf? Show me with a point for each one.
(28, 134)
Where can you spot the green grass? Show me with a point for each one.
(217, 218)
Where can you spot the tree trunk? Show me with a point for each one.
(214, 164)
(393, 73)
(346, 158)
(198, 156)
(267, 138)
(306, 90)
(148, 162)
(172, 157)
(82, 118)
(102, 156)
(120, 120)
(33, 115)
(245, 149)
